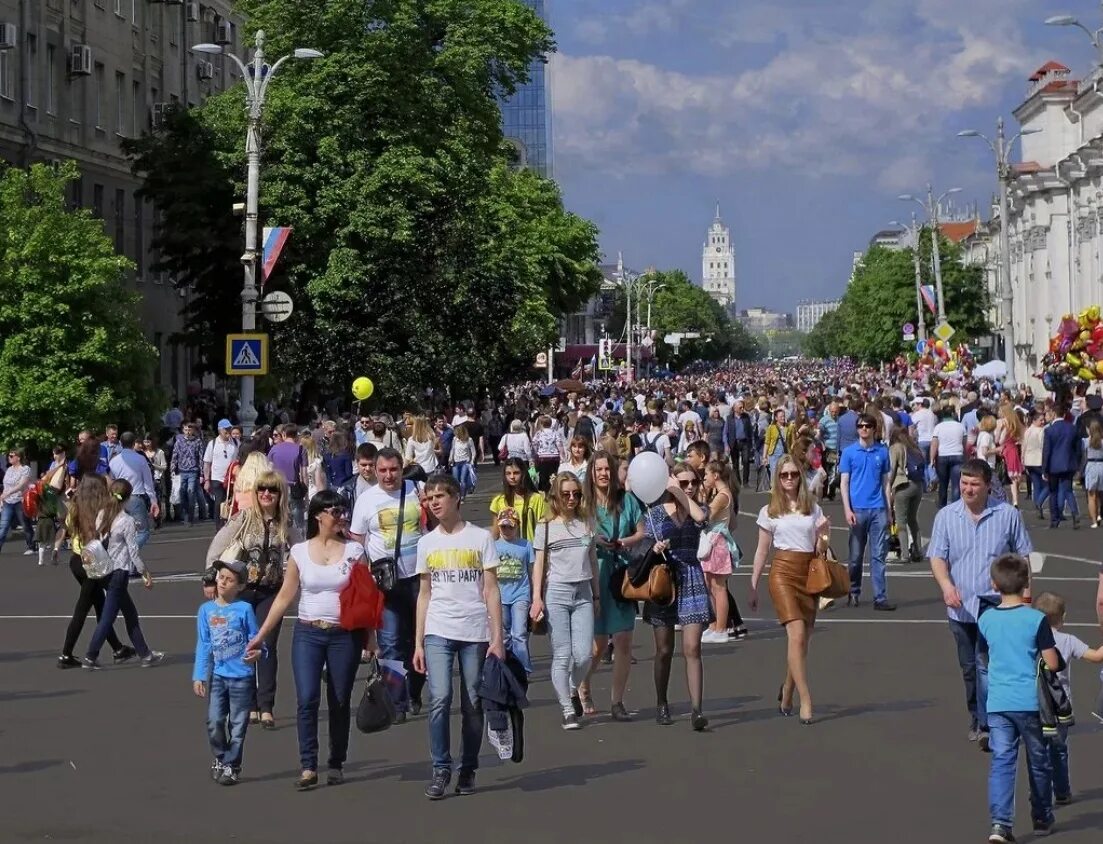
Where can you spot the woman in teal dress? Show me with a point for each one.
(618, 525)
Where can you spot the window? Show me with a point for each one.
(32, 75)
(7, 75)
(76, 194)
(136, 109)
(174, 28)
(139, 237)
(120, 230)
(120, 103)
(99, 73)
(119, 8)
(51, 79)
(97, 201)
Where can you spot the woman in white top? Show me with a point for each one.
(947, 454)
(578, 461)
(421, 447)
(794, 526)
(462, 458)
(115, 528)
(17, 478)
(314, 473)
(321, 567)
(516, 443)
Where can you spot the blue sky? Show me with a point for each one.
(804, 118)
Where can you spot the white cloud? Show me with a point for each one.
(858, 87)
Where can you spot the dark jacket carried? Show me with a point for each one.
(1054, 706)
(503, 691)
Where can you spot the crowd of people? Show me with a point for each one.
(298, 508)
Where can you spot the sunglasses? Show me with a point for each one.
(339, 513)
(270, 490)
(788, 476)
(866, 425)
(571, 494)
(687, 484)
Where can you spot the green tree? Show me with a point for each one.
(72, 354)
(825, 338)
(418, 256)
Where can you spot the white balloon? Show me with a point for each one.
(647, 476)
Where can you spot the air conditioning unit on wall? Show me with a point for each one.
(80, 60)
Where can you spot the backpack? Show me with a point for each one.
(584, 428)
(916, 469)
(650, 446)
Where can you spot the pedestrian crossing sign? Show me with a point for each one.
(246, 354)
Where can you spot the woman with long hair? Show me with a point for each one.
(565, 586)
(321, 567)
(17, 478)
(906, 491)
(723, 552)
(548, 448)
(518, 493)
(314, 473)
(340, 468)
(422, 445)
(113, 526)
(577, 463)
(1093, 471)
(259, 535)
(90, 498)
(1032, 447)
(462, 457)
(675, 522)
(618, 525)
(1009, 437)
(773, 445)
(242, 478)
(794, 526)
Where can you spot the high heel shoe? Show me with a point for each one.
(807, 722)
(788, 713)
(698, 721)
(662, 716)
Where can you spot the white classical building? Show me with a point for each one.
(1055, 216)
(718, 263)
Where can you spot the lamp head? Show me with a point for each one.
(307, 53)
(1033, 131)
(210, 49)
(907, 197)
(1062, 20)
(968, 133)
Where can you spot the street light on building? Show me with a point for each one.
(256, 75)
(914, 231)
(931, 206)
(1004, 175)
(1070, 20)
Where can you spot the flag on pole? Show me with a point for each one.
(275, 238)
(929, 297)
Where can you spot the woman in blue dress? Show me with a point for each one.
(618, 525)
(676, 521)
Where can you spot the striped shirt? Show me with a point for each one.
(969, 547)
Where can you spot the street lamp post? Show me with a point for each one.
(931, 207)
(1004, 175)
(256, 76)
(914, 230)
(1096, 36)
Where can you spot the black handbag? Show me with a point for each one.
(376, 711)
(385, 569)
(642, 558)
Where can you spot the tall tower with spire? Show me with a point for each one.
(718, 263)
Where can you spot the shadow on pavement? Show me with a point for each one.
(30, 767)
(564, 776)
(23, 656)
(8, 697)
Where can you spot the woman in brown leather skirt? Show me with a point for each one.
(796, 528)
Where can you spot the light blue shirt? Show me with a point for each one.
(867, 468)
(1015, 636)
(969, 548)
(132, 467)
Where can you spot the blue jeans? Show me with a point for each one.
(1009, 729)
(138, 510)
(515, 618)
(1058, 747)
(189, 495)
(570, 611)
(440, 653)
(313, 649)
(949, 479)
(117, 599)
(229, 701)
(14, 513)
(465, 477)
(1038, 487)
(396, 636)
(1060, 492)
(974, 669)
(871, 530)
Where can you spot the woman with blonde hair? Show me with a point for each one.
(422, 445)
(1009, 437)
(259, 535)
(794, 526)
(565, 585)
(723, 551)
(578, 458)
(314, 473)
(1093, 471)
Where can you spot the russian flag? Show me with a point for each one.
(928, 296)
(275, 237)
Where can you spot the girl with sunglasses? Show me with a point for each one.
(565, 585)
(794, 526)
(321, 567)
(259, 535)
(675, 521)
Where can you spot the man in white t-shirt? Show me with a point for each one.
(947, 455)
(220, 453)
(923, 420)
(459, 619)
(654, 439)
(375, 519)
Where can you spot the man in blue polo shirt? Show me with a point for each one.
(864, 469)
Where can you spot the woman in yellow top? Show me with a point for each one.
(518, 493)
(774, 446)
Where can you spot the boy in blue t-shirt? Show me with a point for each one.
(515, 560)
(1015, 635)
(225, 625)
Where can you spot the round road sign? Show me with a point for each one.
(276, 306)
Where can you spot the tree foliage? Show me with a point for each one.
(418, 257)
(881, 298)
(72, 353)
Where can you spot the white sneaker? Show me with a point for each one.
(714, 637)
(501, 741)
(29, 553)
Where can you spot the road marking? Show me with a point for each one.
(890, 572)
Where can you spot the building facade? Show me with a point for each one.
(810, 312)
(761, 320)
(76, 79)
(526, 116)
(718, 263)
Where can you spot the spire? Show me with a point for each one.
(718, 209)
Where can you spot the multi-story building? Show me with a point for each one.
(810, 312)
(526, 116)
(890, 239)
(718, 263)
(79, 76)
(761, 320)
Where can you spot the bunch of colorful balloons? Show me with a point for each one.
(1075, 352)
(947, 362)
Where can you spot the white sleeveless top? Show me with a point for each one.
(320, 586)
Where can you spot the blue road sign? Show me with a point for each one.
(246, 354)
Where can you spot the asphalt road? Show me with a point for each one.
(123, 752)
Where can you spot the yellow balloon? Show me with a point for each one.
(362, 388)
